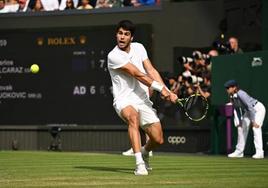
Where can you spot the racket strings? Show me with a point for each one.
(196, 107)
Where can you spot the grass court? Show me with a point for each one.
(77, 169)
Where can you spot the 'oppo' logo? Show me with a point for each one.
(176, 140)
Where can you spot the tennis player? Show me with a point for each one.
(132, 74)
(247, 110)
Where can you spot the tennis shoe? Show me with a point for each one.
(236, 154)
(141, 170)
(131, 153)
(258, 156)
(128, 152)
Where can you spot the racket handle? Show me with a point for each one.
(179, 100)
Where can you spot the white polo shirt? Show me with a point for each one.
(127, 89)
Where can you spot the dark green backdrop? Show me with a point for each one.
(265, 24)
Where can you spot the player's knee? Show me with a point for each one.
(159, 140)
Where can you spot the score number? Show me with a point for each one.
(92, 90)
(3, 42)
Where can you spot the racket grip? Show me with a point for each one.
(179, 100)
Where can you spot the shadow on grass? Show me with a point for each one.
(107, 169)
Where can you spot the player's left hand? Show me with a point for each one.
(173, 97)
(169, 95)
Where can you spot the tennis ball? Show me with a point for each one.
(34, 68)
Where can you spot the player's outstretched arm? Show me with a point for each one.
(152, 72)
(133, 71)
(148, 81)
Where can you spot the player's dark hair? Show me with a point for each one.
(126, 25)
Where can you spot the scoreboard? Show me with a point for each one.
(73, 85)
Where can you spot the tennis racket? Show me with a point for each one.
(195, 107)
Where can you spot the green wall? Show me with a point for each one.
(250, 75)
(265, 24)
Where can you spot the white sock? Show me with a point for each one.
(138, 158)
(144, 151)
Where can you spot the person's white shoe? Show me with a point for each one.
(236, 154)
(131, 153)
(141, 170)
(258, 156)
(128, 152)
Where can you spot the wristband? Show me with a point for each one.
(156, 86)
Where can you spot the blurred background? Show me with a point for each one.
(67, 105)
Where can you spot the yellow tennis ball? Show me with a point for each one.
(34, 68)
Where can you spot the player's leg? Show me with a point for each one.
(257, 131)
(147, 138)
(155, 133)
(150, 123)
(131, 116)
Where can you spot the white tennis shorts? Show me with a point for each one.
(146, 111)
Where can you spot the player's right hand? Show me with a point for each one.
(168, 95)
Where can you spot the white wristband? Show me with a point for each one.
(156, 86)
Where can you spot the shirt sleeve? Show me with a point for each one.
(116, 61)
(245, 98)
(143, 53)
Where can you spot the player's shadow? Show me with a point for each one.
(106, 169)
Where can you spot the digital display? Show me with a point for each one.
(73, 85)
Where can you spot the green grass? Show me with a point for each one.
(66, 169)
